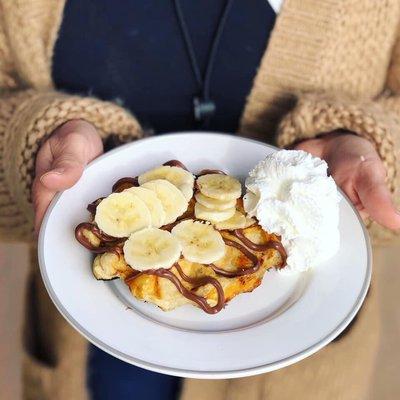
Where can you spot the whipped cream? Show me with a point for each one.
(291, 195)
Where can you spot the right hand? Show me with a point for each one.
(61, 160)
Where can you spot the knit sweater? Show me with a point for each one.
(329, 64)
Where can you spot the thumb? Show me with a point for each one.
(376, 199)
(64, 173)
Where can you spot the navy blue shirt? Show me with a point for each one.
(133, 52)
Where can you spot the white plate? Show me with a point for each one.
(283, 321)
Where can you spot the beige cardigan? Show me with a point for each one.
(330, 64)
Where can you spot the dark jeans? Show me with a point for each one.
(112, 379)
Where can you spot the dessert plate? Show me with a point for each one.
(286, 319)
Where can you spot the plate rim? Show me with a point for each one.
(185, 373)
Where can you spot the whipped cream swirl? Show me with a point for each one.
(291, 195)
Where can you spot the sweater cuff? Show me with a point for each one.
(316, 114)
(35, 118)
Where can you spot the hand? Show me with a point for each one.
(61, 160)
(358, 170)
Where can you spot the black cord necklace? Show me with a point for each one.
(203, 106)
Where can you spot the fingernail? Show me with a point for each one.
(56, 171)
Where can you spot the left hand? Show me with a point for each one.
(358, 170)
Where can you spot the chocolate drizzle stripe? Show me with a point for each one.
(107, 243)
(175, 163)
(240, 271)
(125, 183)
(200, 301)
(272, 244)
(93, 206)
(210, 171)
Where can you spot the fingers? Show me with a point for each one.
(42, 197)
(376, 198)
(61, 161)
(361, 211)
(358, 170)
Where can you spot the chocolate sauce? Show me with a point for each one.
(240, 271)
(93, 205)
(175, 163)
(197, 282)
(272, 244)
(107, 243)
(124, 183)
(211, 171)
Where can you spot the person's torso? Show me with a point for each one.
(134, 53)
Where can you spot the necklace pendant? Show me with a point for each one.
(203, 109)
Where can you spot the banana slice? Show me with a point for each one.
(214, 204)
(250, 202)
(220, 187)
(187, 190)
(179, 177)
(172, 199)
(249, 222)
(152, 202)
(237, 221)
(152, 248)
(201, 243)
(120, 214)
(211, 215)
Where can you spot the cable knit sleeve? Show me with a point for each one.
(27, 118)
(378, 121)
(315, 115)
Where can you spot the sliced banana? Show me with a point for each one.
(249, 222)
(211, 215)
(120, 214)
(179, 177)
(152, 248)
(152, 202)
(214, 204)
(172, 199)
(220, 187)
(201, 243)
(187, 190)
(237, 221)
(250, 202)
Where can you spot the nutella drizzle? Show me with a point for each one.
(272, 244)
(240, 271)
(93, 205)
(211, 171)
(197, 282)
(114, 245)
(125, 183)
(175, 163)
(107, 243)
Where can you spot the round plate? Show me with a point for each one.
(286, 319)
